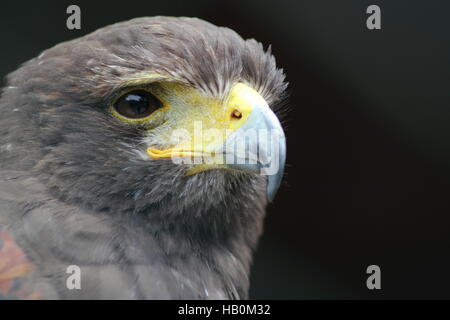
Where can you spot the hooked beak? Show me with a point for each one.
(259, 146)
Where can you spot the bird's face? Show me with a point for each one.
(157, 114)
(200, 132)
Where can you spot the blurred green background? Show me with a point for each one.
(368, 170)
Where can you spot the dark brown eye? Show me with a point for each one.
(137, 104)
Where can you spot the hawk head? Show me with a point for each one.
(168, 118)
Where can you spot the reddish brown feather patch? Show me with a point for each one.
(14, 267)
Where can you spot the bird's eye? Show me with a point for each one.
(137, 104)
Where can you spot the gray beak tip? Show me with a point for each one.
(274, 180)
(268, 145)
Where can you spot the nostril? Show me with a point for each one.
(236, 114)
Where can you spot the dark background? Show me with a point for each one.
(368, 174)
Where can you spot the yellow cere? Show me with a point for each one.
(192, 123)
(205, 122)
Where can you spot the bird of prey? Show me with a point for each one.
(112, 163)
